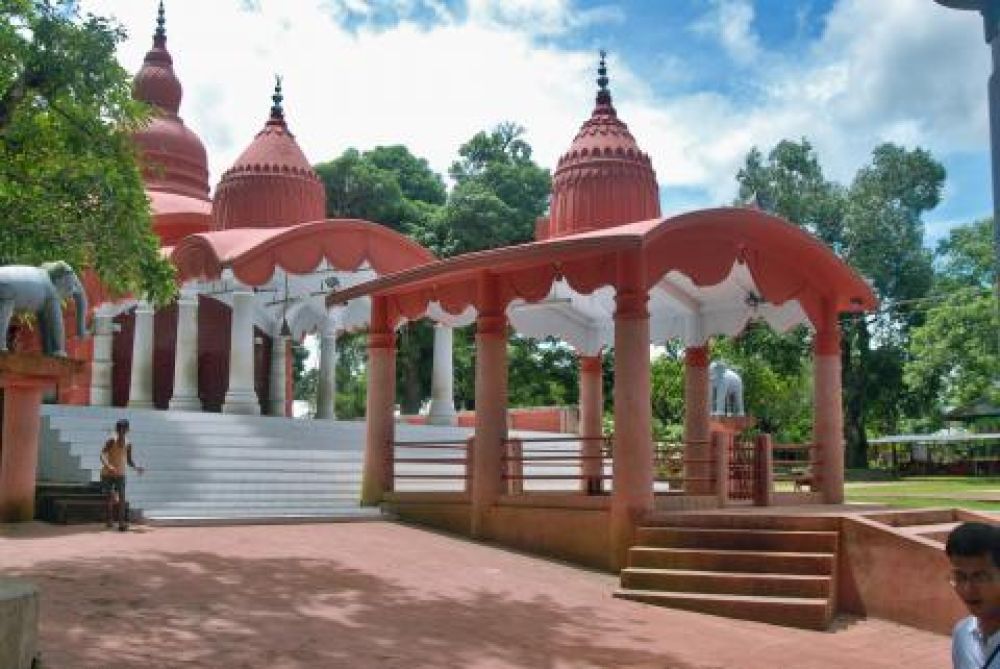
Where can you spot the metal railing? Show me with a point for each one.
(796, 464)
(431, 466)
(675, 472)
(556, 464)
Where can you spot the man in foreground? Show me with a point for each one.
(974, 552)
(117, 452)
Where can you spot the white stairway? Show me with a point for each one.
(206, 467)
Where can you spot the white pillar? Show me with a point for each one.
(241, 397)
(140, 392)
(326, 383)
(279, 348)
(185, 394)
(101, 367)
(442, 409)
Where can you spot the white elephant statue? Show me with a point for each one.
(41, 290)
(726, 397)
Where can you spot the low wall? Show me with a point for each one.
(445, 511)
(569, 527)
(887, 573)
(18, 624)
(565, 420)
(576, 534)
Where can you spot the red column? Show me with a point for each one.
(828, 413)
(696, 423)
(491, 404)
(632, 497)
(591, 415)
(378, 475)
(19, 453)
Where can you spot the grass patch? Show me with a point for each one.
(927, 491)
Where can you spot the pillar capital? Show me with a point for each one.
(696, 356)
(826, 341)
(491, 325)
(631, 304)
(590, 363)
(382, 340)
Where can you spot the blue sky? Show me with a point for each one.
(699, 82)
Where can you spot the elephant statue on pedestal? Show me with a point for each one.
(41, 290)
(726, 397)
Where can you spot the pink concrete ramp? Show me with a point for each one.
(382, 595)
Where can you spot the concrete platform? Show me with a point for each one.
(18, 623)
(384, 595)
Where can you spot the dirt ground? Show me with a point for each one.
(380, 594)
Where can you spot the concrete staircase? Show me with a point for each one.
(205, 468)
(774, 569)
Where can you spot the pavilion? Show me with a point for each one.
(606, 270)
(253, 263)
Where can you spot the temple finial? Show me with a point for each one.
(161, 25)
(277, 112)
(603, 94)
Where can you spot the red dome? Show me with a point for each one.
(173, 158)
(603, 180)
(271, 184)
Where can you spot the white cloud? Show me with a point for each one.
(731, 22)
(902, 70)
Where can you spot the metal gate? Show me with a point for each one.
(742, 470)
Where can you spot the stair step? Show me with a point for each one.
(812, 541)
(720, 582)
(804, 612)
(732, 560)
(744, 521)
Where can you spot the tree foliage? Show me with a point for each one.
(955, 351)
(499, 193)
(876, 226)
(70, 187)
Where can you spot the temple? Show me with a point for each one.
(254, 262)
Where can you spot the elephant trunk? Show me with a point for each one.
(80, 298)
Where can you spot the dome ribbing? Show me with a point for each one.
(271, 184)
(604, 179)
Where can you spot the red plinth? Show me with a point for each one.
(23, 377)
(731, 424)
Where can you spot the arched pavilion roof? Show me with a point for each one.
(253, 254)
(779, 267)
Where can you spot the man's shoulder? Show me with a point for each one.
(965, 627)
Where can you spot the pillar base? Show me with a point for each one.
(241, 403)
(185, 404)
(140, 404)
(442, 417)
(100, 397)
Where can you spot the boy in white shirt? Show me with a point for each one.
(974, 551)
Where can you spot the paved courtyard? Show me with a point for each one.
(380, 594)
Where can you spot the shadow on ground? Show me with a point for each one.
(201, 610)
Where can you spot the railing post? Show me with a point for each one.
(390, 467)
(721, 445)
(469, 450)
(764, 483)
(515, 467)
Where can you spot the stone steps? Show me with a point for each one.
(213, 467)
(768, 568)
(807, 613)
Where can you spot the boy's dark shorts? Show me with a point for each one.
(111, 484)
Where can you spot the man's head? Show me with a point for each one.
(974, 551)
(121, 427)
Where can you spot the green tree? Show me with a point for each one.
(391, 186)
(955, 352)
(876, 226)
(70, 187)
(499, 194)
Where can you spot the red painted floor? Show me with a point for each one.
(380, 594)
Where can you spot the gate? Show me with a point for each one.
(742, 470)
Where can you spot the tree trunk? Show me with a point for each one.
(854, 354)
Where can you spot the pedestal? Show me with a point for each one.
(23, 377)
